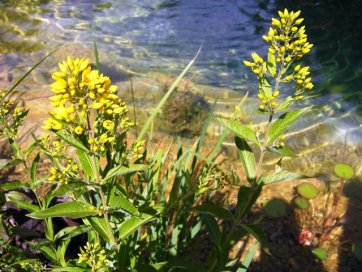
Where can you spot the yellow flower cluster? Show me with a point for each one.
(94, 256)
(53, 146)
(78, 90)
(258, 67)
(287, 38)
(268, 102)
(63, 175)
(137, 150)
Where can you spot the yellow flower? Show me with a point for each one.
(78, 130)
(52, 124)
(108, 125)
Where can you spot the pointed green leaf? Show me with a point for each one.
(281, 176)
(248, 258)
(213, 229)
(265, 87)
(272, 67)
(284, 152)
(258, 233)
(247, 158)
(86, 162)
(132, 224)
(68, 138)
(34, 167)
(73, 209)
(99, 224)
(13, 185)
(246, 198)
(214, 210)
(123, 170)
(120, 202)
(240, 130)
(283, 122)
(24, 205)
(72, 231)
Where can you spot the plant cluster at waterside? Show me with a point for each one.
(126, 207)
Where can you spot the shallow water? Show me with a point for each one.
(162, 36)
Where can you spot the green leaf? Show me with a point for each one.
(282, 152)
(24, 205)
(265, 87)
(63, 189)
(120, 202)
(4, 162)
(68, 138)
(13, 185)
(73, 209)
(301, 203)
(49, 253)
(247, 158)
(321, 253)
(275, 208)
(69, 269)
(285, 104)
(177, 264)
(132, 224)
(357, 250)
(307, 190)
(248, 258)
(272, 67)
(99, 224)
(86, 162)
(240, 130)
(71, 231)
(213, 229)
(123, 170)
(344, 171)
(280, 176)
(283, 122)
(214, 210)
(257, 232)
(246, 198)
(34, 167)
(96, 55)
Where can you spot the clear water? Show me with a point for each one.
(163, 36)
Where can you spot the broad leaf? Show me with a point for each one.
(246, 199)
(13, 185)
(67, 137)
(214, 210)
(247, 158)
(123, 170)
(240, 130)
(258, 233)
(73, 209)
(265, 87)
(281, 176)
(132, 224)
(283, 122)
(213, 229)
(34, 167)
(248, 258)
(72, 231)
(24, 205)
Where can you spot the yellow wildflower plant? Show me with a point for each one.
(287, 43)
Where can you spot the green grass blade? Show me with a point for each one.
(166, 96)
(96, 55)
(25, 75)
(248, 258)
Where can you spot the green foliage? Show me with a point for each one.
(344, 171)
(136, 211)
(357, 250)
(275, 208)
(301, 202)
(320, 253)
(307, 190)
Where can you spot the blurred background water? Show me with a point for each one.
(163, 35)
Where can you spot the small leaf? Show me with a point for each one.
(99, 224)
(301, 202)
(321, 253)
(127, 227)
(73, 209)
(283, 122)
(307, 190)
(257, 232)
(120, 202)
(240, 130)
(357, 250)
(272, 67)
(123, 170)
(343, 171)
(248, 258)
(34, 167)
(247, 158)
(214, 210)
(275, 208)
(280, 176)
(13, 185)
(246, 198)
(285, 104)
(67, 137)
(24, 205)
(86, 163)
(282, 152)
(73, 230)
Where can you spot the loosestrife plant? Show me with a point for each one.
(116, 195)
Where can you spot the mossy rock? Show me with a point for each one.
(307, 190)
(184, 114)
